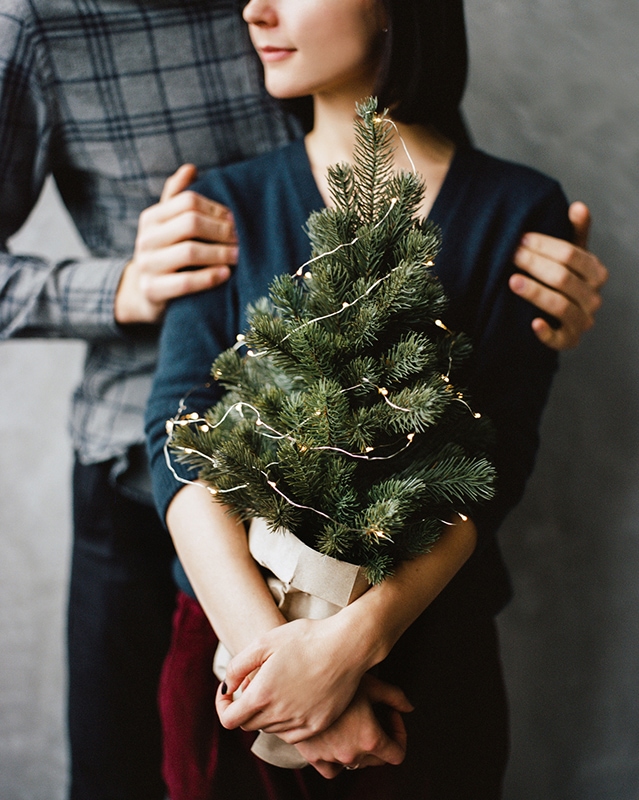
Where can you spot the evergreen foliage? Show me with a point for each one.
(342, 421)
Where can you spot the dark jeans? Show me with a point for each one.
(121, 600)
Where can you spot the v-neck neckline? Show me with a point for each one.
(313, 197)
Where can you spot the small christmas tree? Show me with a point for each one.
(342, 421)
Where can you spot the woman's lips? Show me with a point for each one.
(271, 53)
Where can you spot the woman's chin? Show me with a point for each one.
(284, 93)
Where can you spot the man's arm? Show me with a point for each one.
(564, 280)
(89, 298)
(39, 297)
(71, 298)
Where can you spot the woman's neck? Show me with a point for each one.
(332, 140)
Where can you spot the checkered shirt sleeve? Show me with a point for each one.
(110, 97)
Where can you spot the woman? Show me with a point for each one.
(429, 629)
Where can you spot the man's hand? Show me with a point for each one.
(565, 281)
(184, 229)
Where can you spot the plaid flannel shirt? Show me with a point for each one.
(110, 97)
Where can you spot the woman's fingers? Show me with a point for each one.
(246, 662)
(379, 691)
(363, 736)
(304, 680)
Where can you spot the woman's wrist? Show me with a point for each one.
(366, 632)
(377, 619)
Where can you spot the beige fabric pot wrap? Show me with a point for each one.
(304, 584)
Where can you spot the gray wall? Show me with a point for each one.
(555, 83)
(36, 381)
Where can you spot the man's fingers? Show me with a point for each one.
(188, 203)
(182, 256)
(181, 179)
(550, 301)
(556, 277)
(574, 321)
(183, 226)
(556, 338)
(162, 288)
(579, 215)
(563, 280)
(579, 261)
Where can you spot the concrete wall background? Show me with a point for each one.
(554, 84)
(36, 382)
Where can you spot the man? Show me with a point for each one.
(111, 96)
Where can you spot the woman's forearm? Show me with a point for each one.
(310, 669)
(380, 616)
(213, 549)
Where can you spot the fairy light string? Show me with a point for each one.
(241, 339)
(386, 121)
(300, 271)
(215, 491)
(204, 425)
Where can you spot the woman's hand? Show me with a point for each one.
(357, 738)
(183, 230)
(309, 670)
(563, 280)
(307, 674)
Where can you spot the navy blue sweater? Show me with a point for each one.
(483, 208)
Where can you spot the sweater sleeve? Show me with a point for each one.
(512, 372)
(40, 297)
(196, 329)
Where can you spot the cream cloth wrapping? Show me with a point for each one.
(305, 584)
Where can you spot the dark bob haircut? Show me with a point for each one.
(424, 64)
(423, 67)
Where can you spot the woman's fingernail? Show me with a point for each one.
(225, 688)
